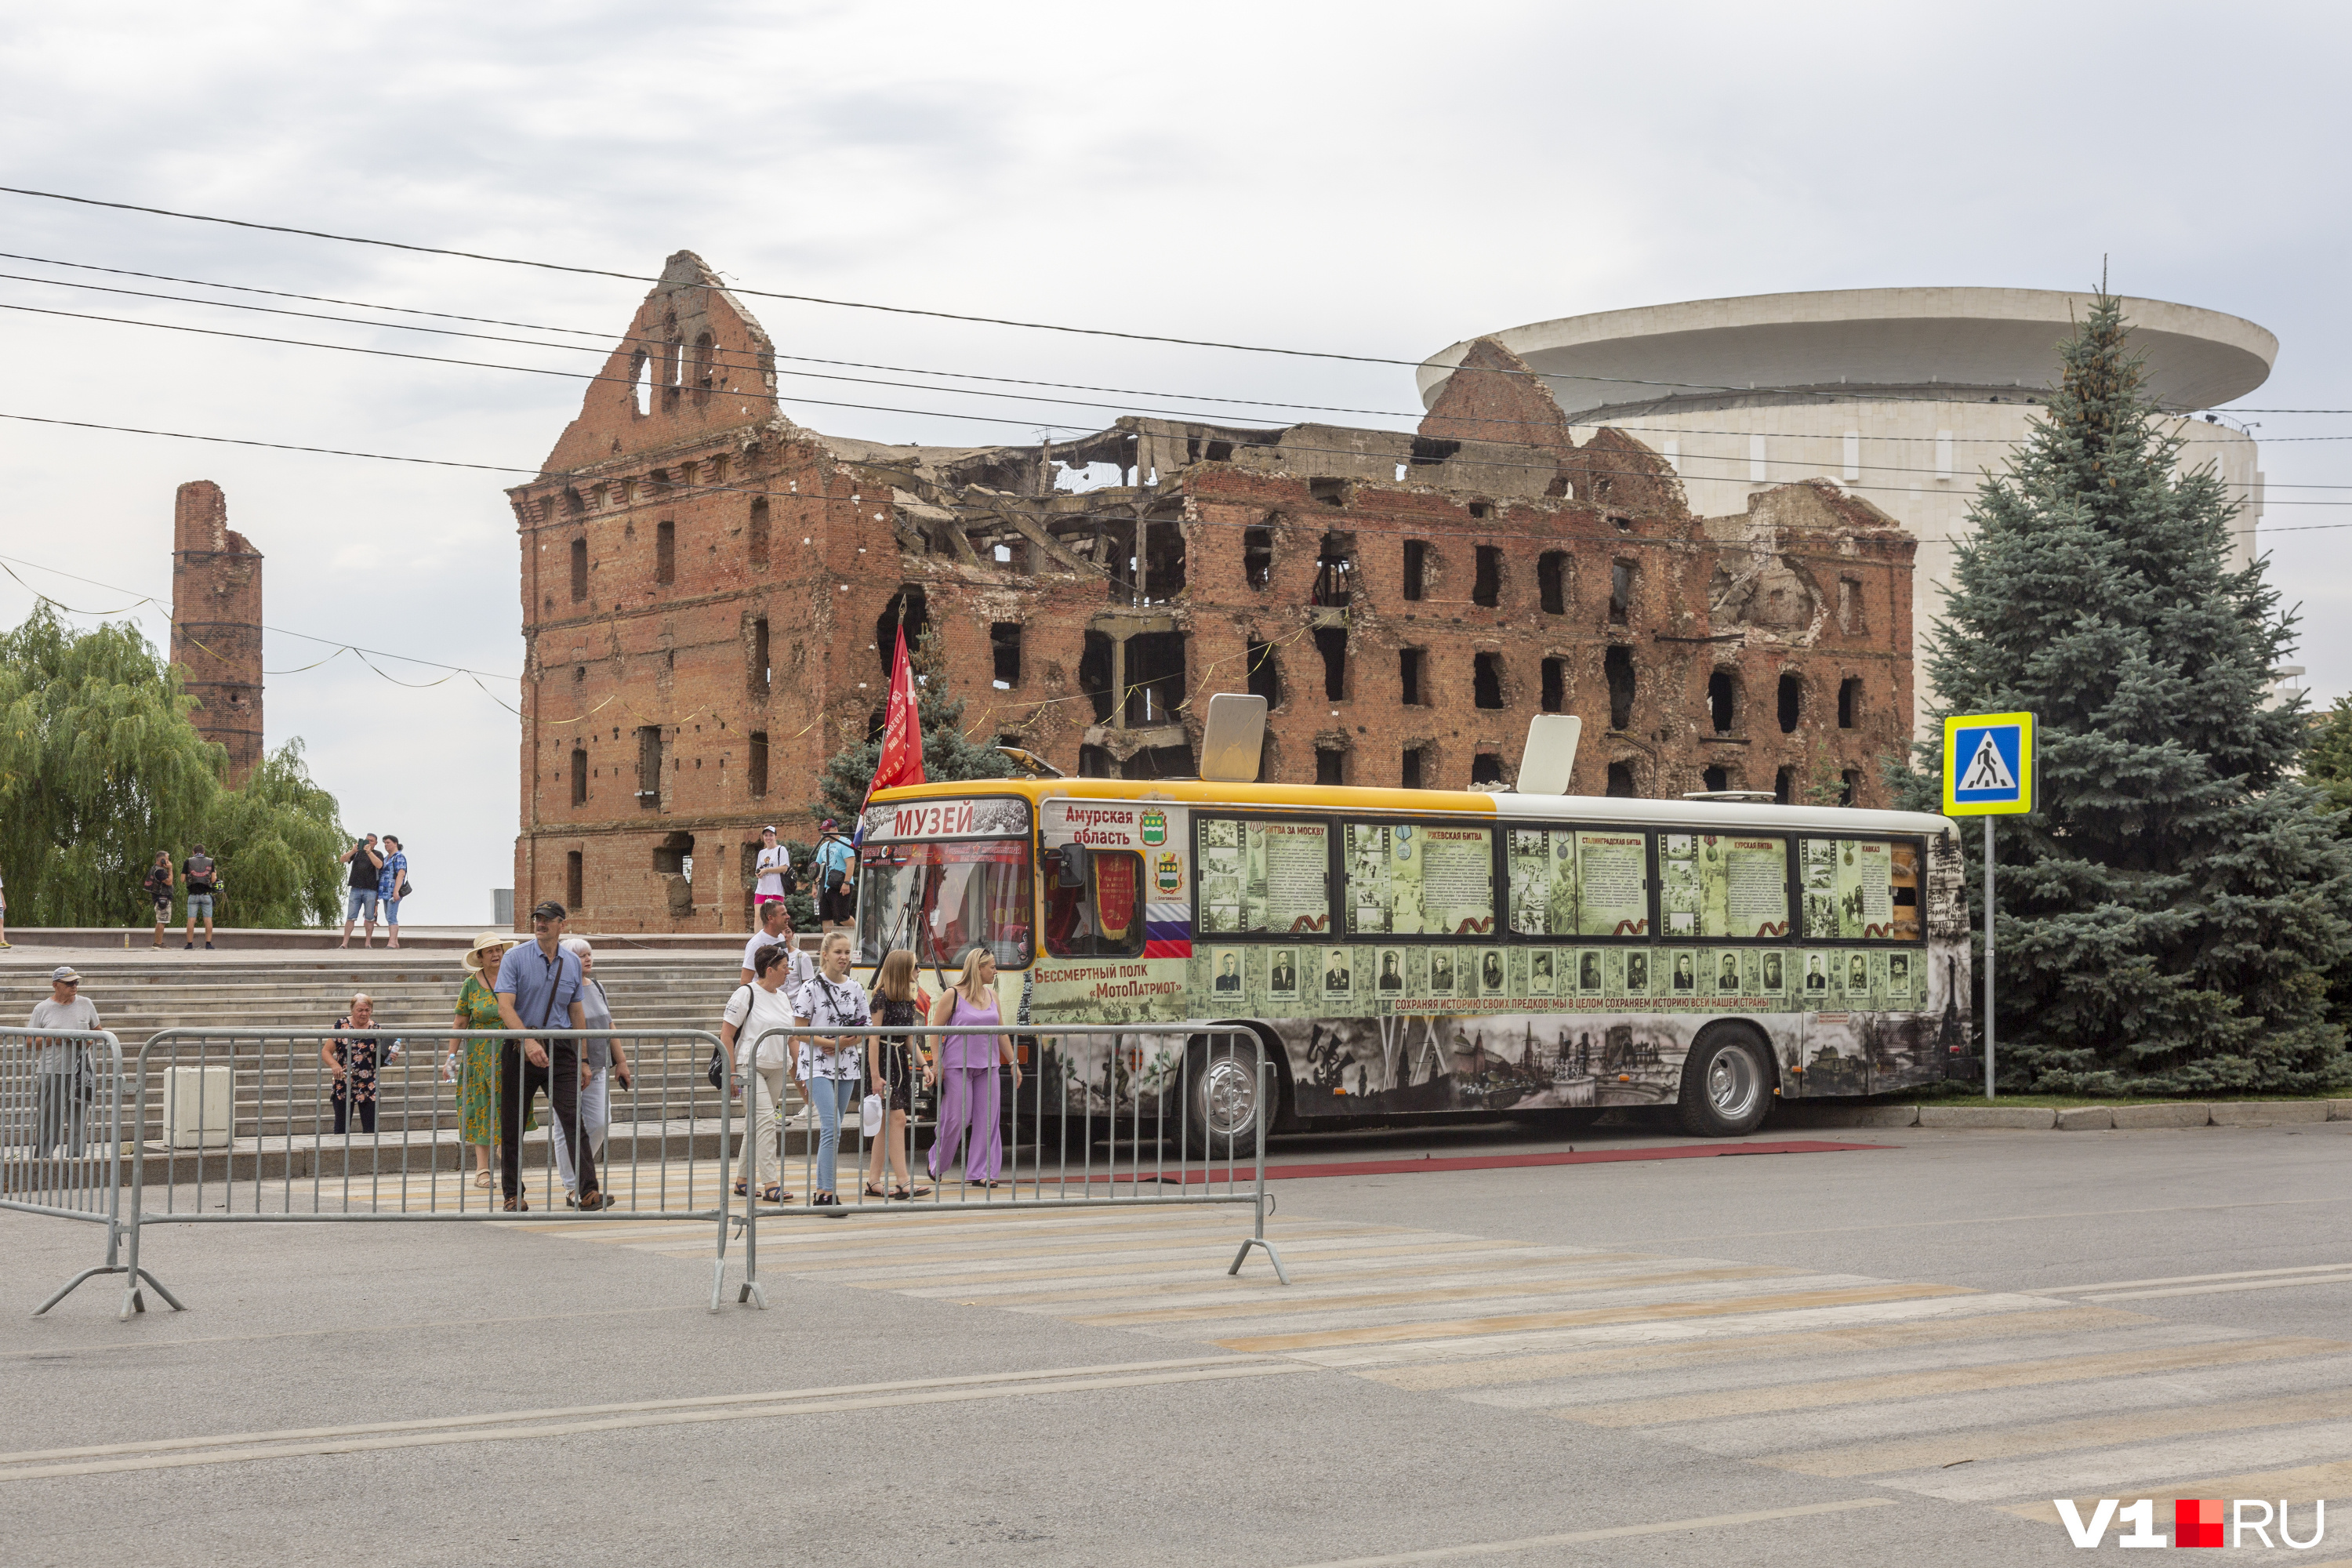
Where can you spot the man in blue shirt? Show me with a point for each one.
(539, 988)
(388, 883)
(837, 880)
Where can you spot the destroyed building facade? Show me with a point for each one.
(216, 624)
(711, 594)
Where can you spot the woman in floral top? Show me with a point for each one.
(477, 1075)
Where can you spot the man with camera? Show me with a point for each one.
(367, 866)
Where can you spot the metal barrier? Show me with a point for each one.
(61, 1145)
(1170, 1114)
(245, 1126)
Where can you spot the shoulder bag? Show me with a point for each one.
(717, 1073)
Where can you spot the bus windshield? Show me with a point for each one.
(942, 900)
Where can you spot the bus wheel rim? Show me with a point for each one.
(1731, 1082)
(1228, 1098)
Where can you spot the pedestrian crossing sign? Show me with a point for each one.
(1989, 764)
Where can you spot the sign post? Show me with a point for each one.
(1991, 768)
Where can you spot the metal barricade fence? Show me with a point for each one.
(387, 1124)
(1084, 1116)
(61, 1145)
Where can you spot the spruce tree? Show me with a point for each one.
(949, 754)
(2171, 918)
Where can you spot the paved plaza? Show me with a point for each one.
(1895, 1353)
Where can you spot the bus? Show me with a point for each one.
(1411, 953)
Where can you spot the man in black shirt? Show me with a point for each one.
(203, 883)
(366, 862)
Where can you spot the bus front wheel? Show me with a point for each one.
(1727, 1084)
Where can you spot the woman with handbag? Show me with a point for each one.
(966, 1071)
(832, 1069)
(898, 1003)
(752, 1013)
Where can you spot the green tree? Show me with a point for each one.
(2171, 918)
(100, 767)
(2328, 759)
(949, 754)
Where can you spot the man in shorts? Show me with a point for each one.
(204, 885)
(836, 874)
(367, 866)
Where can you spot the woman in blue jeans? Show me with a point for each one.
(831, 1070)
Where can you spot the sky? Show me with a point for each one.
(1367, 179)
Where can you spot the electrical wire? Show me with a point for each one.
(908, 310)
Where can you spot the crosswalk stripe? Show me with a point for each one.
(1336, 1265)
(2055, 1436)
(2102, 1472)
(1529, 1288)
(1815, 1393)
(2185, 1279)
(1392, 1333)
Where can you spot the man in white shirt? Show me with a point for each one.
(777, 880)
(62, 1066)
(776, 930)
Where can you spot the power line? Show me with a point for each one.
(1842, 395)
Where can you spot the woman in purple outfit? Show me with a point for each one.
(966, 1069)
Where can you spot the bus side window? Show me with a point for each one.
(1859, 890)
(1100, 915)
(1723, 884)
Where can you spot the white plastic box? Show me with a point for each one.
(199, 1109)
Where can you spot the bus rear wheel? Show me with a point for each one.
(1727, 1084)
(1224, 1097)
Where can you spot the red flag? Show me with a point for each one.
(902, 729)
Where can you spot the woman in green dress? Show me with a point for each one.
(478, 1060)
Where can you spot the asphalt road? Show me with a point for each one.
(1897, 1353)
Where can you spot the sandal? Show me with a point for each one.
(873, 1191)
(740, 1189)
(909, 1194)
(516, 1205)
(481, 1178)
(772, 1193)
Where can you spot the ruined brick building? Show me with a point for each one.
(710, 591)
(216, 623)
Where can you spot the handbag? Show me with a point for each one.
(717, 1071)
(405, 889)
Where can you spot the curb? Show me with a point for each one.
(2074, 1119)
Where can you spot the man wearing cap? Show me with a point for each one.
(777, 880)
(62, 1066)
(836, 890)
(539, 988)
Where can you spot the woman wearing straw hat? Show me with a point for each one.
(478, 1072)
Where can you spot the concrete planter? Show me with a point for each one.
(2265, 1113)
(2191, 1115)
(2087, 1119)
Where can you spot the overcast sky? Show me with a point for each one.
(1367, 178)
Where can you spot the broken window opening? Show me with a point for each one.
(1330, 766)
(1330, 492)
(1552, 581)
(1618, 665)
(1784, 784)
(756, 540)
(1410, 774)
(1093, 763)
(1486, 768)
(1488, 588)
(1335, 572)
(1486, 679)
(1849, 786)
(1849, 701)
(641, 384)
(1555, 686)
(1162, 579)
(579, 777)
(1621, 524)
(759, 762)
(1411, 688)
(1620, 593)
(1264, 677)
(1416, 567)
(762, 671)
(1427, 449)
(1155, 678)
(664, 553)
(704, 371)
(1004, 649)
(1849, 608)
(1723, 700)
(574, 876)
(1792, 703)
(1714, 780)
(1331, 642)
(1094, 679)
(1482, 511)
(906, 612)
(1162, 763)
(674, 856)
(1621, 781)
(1257, 556)
(649, 766)
(578, 570)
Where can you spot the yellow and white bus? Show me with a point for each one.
(1412, 952)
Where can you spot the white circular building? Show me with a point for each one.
(1905, 397)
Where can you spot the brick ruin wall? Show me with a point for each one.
(216, 623)
(710, 592)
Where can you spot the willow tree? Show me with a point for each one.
(100, 767)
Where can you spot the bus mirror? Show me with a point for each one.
(1070, 865)
(1232, 738)
(1551, 756)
